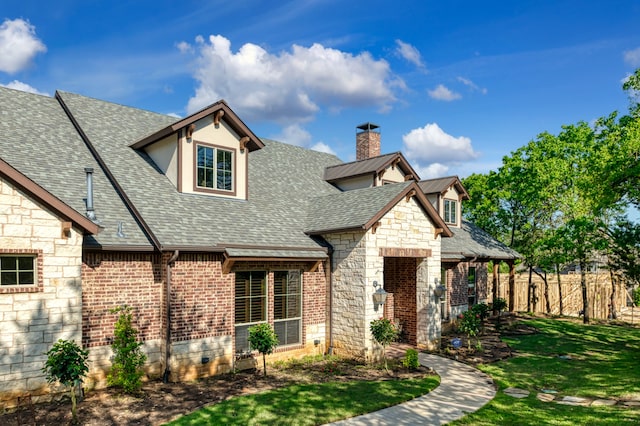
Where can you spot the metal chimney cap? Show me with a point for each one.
(367, 127)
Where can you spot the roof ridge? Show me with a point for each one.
(365, 159)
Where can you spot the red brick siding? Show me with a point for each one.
(400, 279)
(201, 297)
(111, 279)
(457, 282)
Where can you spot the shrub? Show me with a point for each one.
(128, 359)
(263, 339)
(67, 363)
(499, 304)
(410, 359)
(481, 309)
(636, 296)
(384, 332)
(469, 324)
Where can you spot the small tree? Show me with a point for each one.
(263, 339)
(384, 332)
(126, 369)
(67, 363)
(469, 324)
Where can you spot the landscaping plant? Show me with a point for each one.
(384, 332)
(128, 359)
(67, 363)
(263, 339)
(469, 324)
(410, 359)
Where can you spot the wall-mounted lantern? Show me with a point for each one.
(379, 296)
(440, 289)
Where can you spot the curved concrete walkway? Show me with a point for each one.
(463, 389)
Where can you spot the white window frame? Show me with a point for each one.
(300, 311)
(450, 216)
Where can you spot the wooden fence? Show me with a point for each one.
(598, 290)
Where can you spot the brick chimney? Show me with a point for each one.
(367, 141)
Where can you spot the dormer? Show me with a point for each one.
(370, 168)
(446, 195)
(205, 153)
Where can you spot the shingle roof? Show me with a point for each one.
(368, 166)
(38, 139)
(469, 241)
(350, 209)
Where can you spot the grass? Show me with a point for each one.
(603, 362)
(310, 404)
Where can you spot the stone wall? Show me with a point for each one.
(32, 318)
(358, 261)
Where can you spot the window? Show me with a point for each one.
(251, 305)
(17, 270)
(444, 315)
(472, 285)
(287, 306)
(450, 210)
(214, 168)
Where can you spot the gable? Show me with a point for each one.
(375, 171)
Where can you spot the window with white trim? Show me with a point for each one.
(17, 270)
(214, 168)
(287, 307)
(250, 304)
(450, 211)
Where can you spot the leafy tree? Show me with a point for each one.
(126, 369)
(384, 332)
(263, 339)
(67, 363)
(469, 324)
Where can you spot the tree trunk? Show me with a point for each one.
(613, 311)
(585, 298)
(512, 286)
(264, 363)
(529, 289)
(546, 293)
(559, 290)
(74, 415)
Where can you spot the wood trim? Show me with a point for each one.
(42, 195)
(179, 159)
(404, 252)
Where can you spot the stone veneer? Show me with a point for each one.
(32, 318)
(357, 262)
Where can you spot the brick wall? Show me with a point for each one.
(400, 279)
(33, 318)
(457, 285)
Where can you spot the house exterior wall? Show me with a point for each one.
(457, 285)
(33, 318)
(113, 279)
(358, 262)
(221, 136)
(391, 174)
(164, 154)
(349, 184)
(202, 311)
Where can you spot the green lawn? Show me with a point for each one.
(604, 362)
(310, 404)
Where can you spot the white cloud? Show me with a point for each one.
(18, 85)
(472, 85)
(288, 86)
(410, 53)
(632, 57)
(323, 147)
(294, 135)
(430, 144)
(184, 47)
(441, 93)
(18, 45)
(432, 171)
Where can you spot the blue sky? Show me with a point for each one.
(454, 85)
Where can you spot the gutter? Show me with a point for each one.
(167, 370)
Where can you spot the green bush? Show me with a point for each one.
(410, 359)
(469, 323)
(128, 359)
(636, 296)
(481, 309)
(499, 304)
(384, 332)
(67, 363)
(263, 339)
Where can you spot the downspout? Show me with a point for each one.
(330, 350)
(167, 370)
